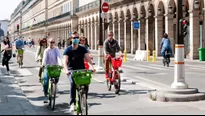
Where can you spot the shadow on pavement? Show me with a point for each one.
(133, 92)
(100, 95)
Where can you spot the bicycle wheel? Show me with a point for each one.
(52, 95)
(117, 83)
(78, 104)
(83, 103)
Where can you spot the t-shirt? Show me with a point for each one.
(19, 44)
(75, 57)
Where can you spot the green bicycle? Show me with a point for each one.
(20, 61)
(54, 72)
(82, 79)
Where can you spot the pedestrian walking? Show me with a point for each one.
(7, 54)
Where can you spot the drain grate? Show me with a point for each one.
(3, 99)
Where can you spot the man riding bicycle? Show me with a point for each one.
(19, 43)
(74, 56)
(111, 47)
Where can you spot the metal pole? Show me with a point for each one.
(179, 79)
(100, 50)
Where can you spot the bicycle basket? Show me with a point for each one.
(82, 78)
(54, 71)
(116, 63)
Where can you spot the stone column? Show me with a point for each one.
(132, 36)
(119, 32)
(91, 36)
(125, 35)
(141, 38)
(96, 35)
(113, 27)
(169, 28)
(194, 34)
(159, 33)
(147, 33)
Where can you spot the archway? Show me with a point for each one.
(121, 38)
(135, 33)
(142, 42)
(151, 29)
(128, 32)
(115, 23)
(160, 25)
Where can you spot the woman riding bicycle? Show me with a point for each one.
(51, 57)
(83, 42)
(39, 54)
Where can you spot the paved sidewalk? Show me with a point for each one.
(12, 99)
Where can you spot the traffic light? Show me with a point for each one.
(184, 27)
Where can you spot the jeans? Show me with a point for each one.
(5, 61)
(46, 82)
(73, 90)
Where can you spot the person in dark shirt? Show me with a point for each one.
(74, 56)
(111, 47)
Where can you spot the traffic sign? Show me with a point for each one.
(105, 7)
(136, 25)
(105, 15)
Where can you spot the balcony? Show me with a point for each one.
(58, 17)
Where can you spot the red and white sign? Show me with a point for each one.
(105, 7)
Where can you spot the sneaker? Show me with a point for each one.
(46, 100)
(72, 108)
(8, 72)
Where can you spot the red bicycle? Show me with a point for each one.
(114, 74)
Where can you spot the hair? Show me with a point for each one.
(41, 40)
(8, 42)
(165, 35)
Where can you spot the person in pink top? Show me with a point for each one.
(51, 57)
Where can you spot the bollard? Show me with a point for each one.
(125, 56)
(148, 56)
(154, 59)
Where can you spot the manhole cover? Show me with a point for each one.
(3, 99)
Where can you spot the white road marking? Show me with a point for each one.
(25, 72)
(152, 67)
(134, 67)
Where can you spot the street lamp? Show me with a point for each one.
(170, 9)
(196, 4)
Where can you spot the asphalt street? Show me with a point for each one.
(138, 79)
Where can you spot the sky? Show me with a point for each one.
(7, 7)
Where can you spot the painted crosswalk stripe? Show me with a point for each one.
(25, 72)
(134, 67)
(151, 67)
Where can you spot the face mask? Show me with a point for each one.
(76, 41)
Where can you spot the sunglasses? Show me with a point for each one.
(76, 38)
(82, 40)
(52, 42)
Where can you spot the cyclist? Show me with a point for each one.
(166, 45)
(51, 57)
(39, 54)
(74, 56)
(111, 47)
(19, 46)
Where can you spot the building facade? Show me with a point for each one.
(4, 27)
(57, 18)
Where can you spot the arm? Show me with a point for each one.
(118, 48)
(88, 59)
(59, 58)
(106, 48)
(66, 64)
(44, 58)
(161, 43)
(37, 53)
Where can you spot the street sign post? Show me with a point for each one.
(136, 25)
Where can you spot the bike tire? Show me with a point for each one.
(83, 104)
(117, 84)
(78, 108)
(53, 95)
